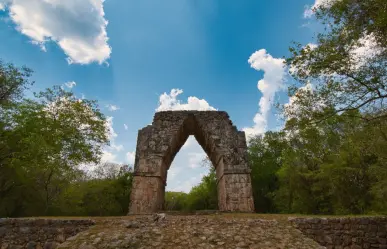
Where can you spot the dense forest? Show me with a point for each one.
(330, 157)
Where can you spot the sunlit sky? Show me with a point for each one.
(139, 57)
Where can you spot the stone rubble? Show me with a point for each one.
(38, 233)
(182, 232)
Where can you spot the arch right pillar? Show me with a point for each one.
(234, 189)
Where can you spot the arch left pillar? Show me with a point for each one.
(148, 186)
(156, 148)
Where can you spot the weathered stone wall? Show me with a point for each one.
(38, 233)
(345, 233)
(158, 144)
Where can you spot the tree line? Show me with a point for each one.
(329, 158)
(336, 166)
(43, 142)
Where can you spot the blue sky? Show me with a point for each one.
(130, 54)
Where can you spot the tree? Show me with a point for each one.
(13, 82)
(265, 155)
(205, 195)
(42, 142)
(98, 194)
(330, 167)
(347, 67)
(175, 201)
(335, 162)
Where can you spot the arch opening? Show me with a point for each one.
(190, 128)
(191, 180)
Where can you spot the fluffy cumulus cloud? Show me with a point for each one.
(70, 84)
(169, 102)
(309, 10)
(112, 108)
(110, 152)
(77, 26)
(273, 81)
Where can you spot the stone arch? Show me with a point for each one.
(158, 144)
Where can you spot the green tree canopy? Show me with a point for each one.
(347, 67)
(43, 141)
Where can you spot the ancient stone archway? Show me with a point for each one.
(157, 145)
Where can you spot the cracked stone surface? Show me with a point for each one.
(190, 232)
(158, 144)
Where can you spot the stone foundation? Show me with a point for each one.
(158, 144)
(38, 233)
(345, 233)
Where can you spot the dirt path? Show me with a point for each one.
(215, 231)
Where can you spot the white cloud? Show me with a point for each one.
(195, 159)
(77, 26)
(173, 172)
(169, 102)
(117, 147)
(70, 84)
(273, 81)
(366, 49)
(130, 157)
(187, 185)
(310, 10)
(312, 46)
(108, 156)
(111, 133)
(109, 152)
(112, 108)
(125, 127)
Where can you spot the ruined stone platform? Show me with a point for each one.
(217, 230)
(195, 231)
